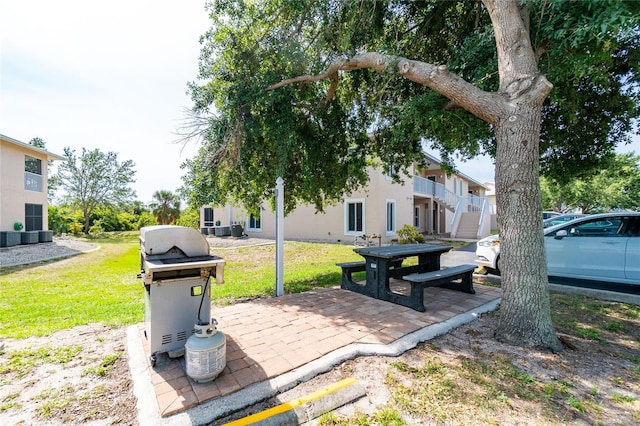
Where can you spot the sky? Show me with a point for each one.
(108, 75)
(113, 76)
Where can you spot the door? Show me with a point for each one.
(591, 249)
(632, 258)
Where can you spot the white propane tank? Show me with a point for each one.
(205, 352)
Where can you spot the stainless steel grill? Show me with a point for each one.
(176, 270)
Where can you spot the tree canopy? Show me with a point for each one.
(320, 136)
(165, 207)
(615, 187)
(94, 179)
(314, 91)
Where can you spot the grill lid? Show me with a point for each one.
(159, 239)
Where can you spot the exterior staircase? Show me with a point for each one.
(468, 226)
(467, 210)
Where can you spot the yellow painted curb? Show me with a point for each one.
(293, 404)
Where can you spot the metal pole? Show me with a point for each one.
(279, 236)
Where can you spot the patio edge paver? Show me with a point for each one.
(147, 406)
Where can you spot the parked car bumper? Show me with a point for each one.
(488, 251)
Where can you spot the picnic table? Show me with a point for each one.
(383, 263)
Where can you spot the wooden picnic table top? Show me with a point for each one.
(400, 250)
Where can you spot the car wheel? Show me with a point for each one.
(499, 266)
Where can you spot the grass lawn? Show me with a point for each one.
(468, 378)
(101, 286)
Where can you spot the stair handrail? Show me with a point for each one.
(486, 209)
(455, 220)
(475, 203)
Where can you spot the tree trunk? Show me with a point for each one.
(85, 227)
(525, 317)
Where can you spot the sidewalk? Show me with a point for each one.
(273, 344)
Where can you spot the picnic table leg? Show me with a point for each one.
(414, 301)
(348, 284)
(466, 284)
(382, 285)
(431, 261)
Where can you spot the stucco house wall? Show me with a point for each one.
(381, 195)
(18, 187)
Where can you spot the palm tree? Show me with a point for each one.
(165, 207)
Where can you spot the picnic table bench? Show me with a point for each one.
(441, 278)
(383, 263)
(348, 268)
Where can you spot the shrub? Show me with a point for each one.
(75, 228)
(190, 218)
(146, 219)
(409, 234)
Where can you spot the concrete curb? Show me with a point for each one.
(611, 296)
(148, 411)
(307, 408)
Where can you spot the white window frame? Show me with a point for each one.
(347, 203)
(249, 229)
(389, 173)
(390, 225)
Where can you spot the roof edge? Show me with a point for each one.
(50, 155)
(435, 159)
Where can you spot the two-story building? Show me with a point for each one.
(23, 185)
(432, 201)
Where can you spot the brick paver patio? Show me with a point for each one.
(271, 336)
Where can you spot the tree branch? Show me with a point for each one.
(487, 106)
(333, 68)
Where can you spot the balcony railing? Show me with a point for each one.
(428, 187)
(468, 204)
(33, 182)
(458, 204)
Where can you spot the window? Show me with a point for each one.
(391, 217)
(607, 227)
(33, 217)
(455, 185)
(33, 174)
(416, 216)
(390, 172)
(354, 217)
(460, 186)
(32, 165)
(255, 223)
(633, 227)
(597, 228)
(208, 217)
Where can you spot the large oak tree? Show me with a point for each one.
(314, 90)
